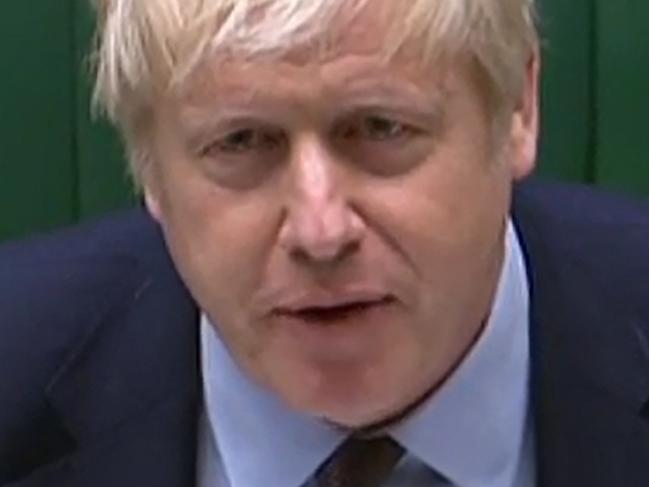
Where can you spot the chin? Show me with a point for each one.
(351, 382)
(343, 398)
(358, 415)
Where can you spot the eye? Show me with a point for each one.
(245, 140)
(380, 128)
(376, 128)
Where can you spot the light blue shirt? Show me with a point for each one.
(475, 430)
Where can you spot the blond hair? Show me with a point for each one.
(146, 47)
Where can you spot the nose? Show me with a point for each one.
(321, 225)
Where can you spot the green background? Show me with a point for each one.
(58, 166)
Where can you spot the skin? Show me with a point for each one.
(299, 180)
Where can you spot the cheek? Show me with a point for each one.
(447, 220)
(219, 243)
(443, 211)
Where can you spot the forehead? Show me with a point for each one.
(356, 46)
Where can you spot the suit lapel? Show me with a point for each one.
(128, 395)
(156, 447)
(588, 395)
(590, 370)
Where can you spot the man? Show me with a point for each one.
(331, 285)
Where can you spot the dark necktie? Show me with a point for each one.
(360, 462)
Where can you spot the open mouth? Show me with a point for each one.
(338, 313)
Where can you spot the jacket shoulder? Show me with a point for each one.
(580, 235)
(53, 290)
(39, 275)
(578, 204)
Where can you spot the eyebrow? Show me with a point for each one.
(369, 94)
(389, 85)
(197, 128)
(361, 94)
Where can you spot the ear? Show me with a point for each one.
(151, 188)
(524, 129)
(152, 203)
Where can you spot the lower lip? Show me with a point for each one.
(336, 329)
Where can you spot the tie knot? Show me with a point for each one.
(360, 462)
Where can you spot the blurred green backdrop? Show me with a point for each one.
(57, 166)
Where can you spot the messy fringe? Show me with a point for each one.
(146, 47)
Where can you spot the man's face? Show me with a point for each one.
(340, 219)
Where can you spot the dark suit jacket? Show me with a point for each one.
(99, 377)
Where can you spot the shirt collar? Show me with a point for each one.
(471, 430)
